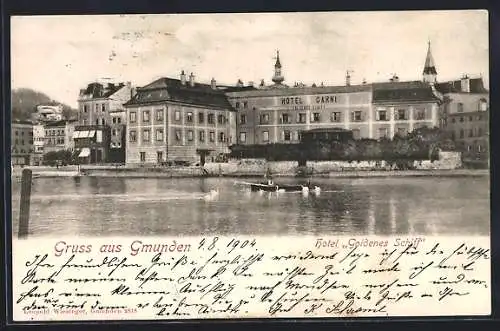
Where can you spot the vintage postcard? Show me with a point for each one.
(257, 165)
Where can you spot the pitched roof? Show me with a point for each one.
(306, 90)
(475, 86)
(98, 90)
(403, 91)
(169, 89)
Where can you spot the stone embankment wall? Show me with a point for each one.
(447, 161)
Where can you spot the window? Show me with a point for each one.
(479, 118)
(461, 119)
(201, 117)
(264, 118)
(119, 120)
(296, 136)
(356, 134)
(133, 136)
(189, 117)
(452, 135)
(245, 104)
(286, 135)
(479, 132)
(402, 132)
(114, 120)
(453, 120)
(285, 119)
(142, 155)
(265, 136)
(382, 133)
(470, 119)
(243, 119)
(202, 136)
(382, 115)
(159, 115)
(145, 135)
(243, 137)
(401, 115)
(96, 121)
(336, 117)
(483, 105)
(469, 147)
(211, 118)
(84, 122)
(103, 121)
(315, 117)
(461, 133)
(471, 133)
(356, 116)
(159, 157)
(301, 118)
(177, 115)
(159, 134)
(460, 107)
(190, 135)
(85, 108)
(420, 114)
(222, 137)
(220, 119)
(103, 107)
(114, 132)
(133, 118)
(212, 136)
(178, 135)
(237, 105)
(145, 116)
(479, 148)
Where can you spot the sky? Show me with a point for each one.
(59, 55)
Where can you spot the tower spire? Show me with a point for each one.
(429, 72)
(277, 78)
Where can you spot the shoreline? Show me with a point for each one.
(189, 172)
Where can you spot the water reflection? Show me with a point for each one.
(120, 206)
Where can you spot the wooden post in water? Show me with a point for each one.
(24, 211)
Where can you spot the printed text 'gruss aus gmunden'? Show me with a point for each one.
(224, 277)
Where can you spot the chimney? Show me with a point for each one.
(465, 84)
(239, 83)
(183, 78)
(262, 83)
(213, 84)
(191, 80)
(364, 81)
(394, 78)
(347, 78)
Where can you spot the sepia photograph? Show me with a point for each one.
(250, 165)
(352, 123)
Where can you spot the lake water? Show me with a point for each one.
(143, 207)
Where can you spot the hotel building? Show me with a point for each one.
(279, 113)
(178, 120)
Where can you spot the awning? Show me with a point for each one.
(80, 134)
(85, 152)
(91, 133)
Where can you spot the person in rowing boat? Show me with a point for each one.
(269, 177)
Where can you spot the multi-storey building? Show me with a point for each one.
(59, 136)
(47, 113)
(278, 113)
(401, 107)
(466, 115)
(101, 114)
(172, 119)
(21, 142)
(38, 144)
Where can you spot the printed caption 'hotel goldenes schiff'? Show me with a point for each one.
(187, 121)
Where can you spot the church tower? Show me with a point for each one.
(278, 78)
(429, 73)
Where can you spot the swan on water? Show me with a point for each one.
(317, 189)
(212, 194)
